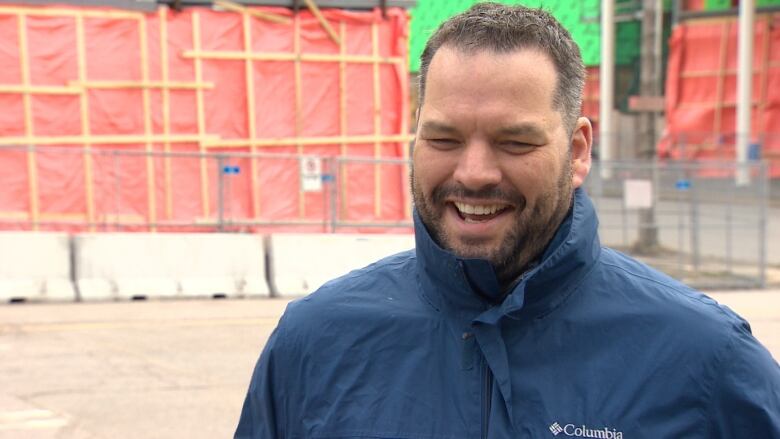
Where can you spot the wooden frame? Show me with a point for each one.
(81, 85)
(721, 73)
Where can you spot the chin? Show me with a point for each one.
(474, 250)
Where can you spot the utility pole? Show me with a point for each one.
(607, 86)
(650, 87)
(744, 89)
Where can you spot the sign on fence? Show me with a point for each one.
(311, 174)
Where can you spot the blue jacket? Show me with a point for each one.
(590, 343)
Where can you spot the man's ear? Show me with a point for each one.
(581, 143)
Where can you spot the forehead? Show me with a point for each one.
(518, 84)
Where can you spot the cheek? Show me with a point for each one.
(430, 170)
(534, 177)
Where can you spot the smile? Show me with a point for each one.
(475, 213)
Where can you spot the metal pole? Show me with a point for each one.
(676, 6)
(606, 83)
(729, 232)
(650, 85)
(695, 227)
(680, 228)
(220, 193)
(117, 189)
(744, 89)
(658, 46)
(762, 222)
(334, 191)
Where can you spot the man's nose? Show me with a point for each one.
(477, 166)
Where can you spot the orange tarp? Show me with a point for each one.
(701, 90)
(198, 81)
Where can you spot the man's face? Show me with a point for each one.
(493, 170)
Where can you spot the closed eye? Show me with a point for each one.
(518, 147)
(443, 143)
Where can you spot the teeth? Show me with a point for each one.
(478, 209)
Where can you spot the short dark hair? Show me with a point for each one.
(501, 29)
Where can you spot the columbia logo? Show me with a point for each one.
(556, 429)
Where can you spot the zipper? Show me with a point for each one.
(487, 397)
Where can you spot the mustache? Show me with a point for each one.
(493, 193)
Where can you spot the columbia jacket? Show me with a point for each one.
(590, 343)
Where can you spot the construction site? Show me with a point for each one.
(158, 156)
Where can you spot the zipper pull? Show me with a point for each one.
(468, 351)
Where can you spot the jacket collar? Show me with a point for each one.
(451, 284)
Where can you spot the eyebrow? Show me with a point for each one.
(523, 129)
(440, 127)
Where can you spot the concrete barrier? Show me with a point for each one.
(148, 265)
(35, 266)
(301, 263)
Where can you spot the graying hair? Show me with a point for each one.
(501, 29)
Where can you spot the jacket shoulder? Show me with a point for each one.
(387, 286)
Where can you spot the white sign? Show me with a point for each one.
(637, 194)
(311, 174)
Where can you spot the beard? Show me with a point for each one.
(532, 229)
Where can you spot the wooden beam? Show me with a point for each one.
(201, 112)
(646, 103)
(377, 123)
(249, 73)
(64, 12)
(85, 127)
(162, 13)
(32, 165)
(406, 113)
(268, 16)
(764, 76)
(722, 58)
(144, 84)
(298, 105)
(151, 187)
(343, 126)
(303, 141)
(38, 89)
(323, 21)
(282, 56)
(104, 139)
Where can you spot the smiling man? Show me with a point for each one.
(508, 320)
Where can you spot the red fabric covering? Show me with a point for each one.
(701, 91)
(58, 184)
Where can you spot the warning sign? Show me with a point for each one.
(311, 174)
(637, 194)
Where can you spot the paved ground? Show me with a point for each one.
(165, 369)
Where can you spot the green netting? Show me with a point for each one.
(719, 5)
(716, 5)
(579, 17)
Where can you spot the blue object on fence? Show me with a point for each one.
(231, 170)
(328, 177)
(754, 151)
(682, 185)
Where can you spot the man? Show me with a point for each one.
(508, 320)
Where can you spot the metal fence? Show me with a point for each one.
(690, 220)
(100, 189)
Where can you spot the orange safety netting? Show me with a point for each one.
(198, 81)
(701, 91)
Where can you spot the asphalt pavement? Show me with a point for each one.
(167, 369)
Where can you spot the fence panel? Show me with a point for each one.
(690, 220)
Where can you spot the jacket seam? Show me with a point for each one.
(569, 294)
(673, 287)
(720, 365)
